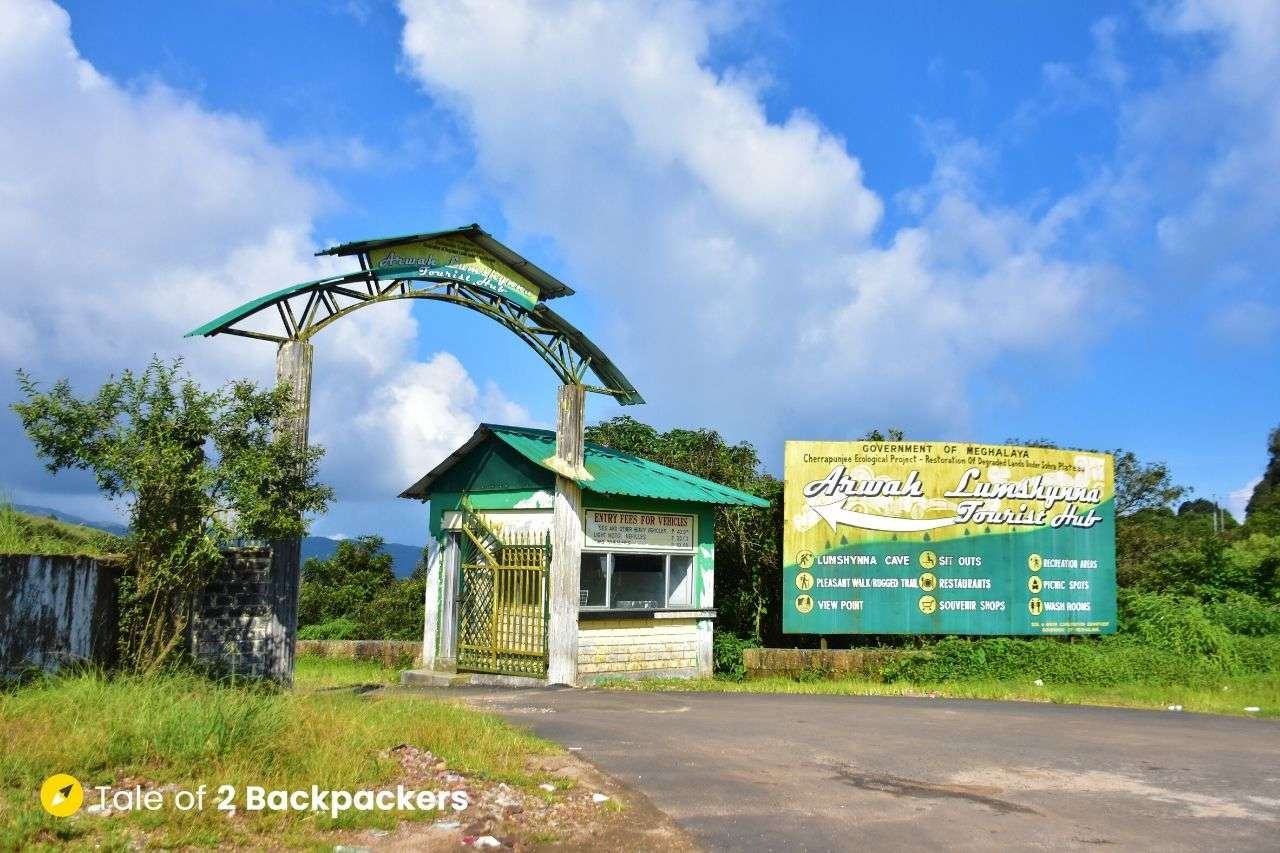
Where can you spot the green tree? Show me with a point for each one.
(748, 544)
(884, 435)
(1262, 514)
(337, 587)
(1139, 485)
(195, 469)
(1143, 485)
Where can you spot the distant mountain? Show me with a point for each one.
(404, 557)
(109, 526)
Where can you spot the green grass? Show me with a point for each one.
(21, 533)
(187, 731)
(1226, 695)
(312, 672)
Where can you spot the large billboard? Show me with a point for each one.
(913, 537)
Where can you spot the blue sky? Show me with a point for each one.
(974, 221)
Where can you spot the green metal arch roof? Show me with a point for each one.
(613, 472)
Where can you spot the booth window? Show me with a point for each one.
(625, 581)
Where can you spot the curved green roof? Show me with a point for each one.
(613, 472)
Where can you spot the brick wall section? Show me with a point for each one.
(234, 620)
(637, 646)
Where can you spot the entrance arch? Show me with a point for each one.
(466, 267)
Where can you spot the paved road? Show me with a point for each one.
(789, 772)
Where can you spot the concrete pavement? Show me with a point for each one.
(794, 772)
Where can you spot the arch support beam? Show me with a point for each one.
(566, 539)
(293, 371)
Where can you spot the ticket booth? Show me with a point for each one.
(646, 597)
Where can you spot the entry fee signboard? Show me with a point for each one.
(641, 531)
(947, 538)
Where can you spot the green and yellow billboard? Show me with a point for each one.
(915, 537)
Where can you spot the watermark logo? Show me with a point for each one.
(62, 795)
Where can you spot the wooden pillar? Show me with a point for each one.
(293, 371)
(566, 537)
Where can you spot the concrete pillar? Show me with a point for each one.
(431, 603)
(293, 371)
(566, 537)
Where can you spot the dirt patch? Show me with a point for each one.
(585, 810)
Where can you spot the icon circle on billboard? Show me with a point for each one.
(927, 604)
(61, 795)
(1034, 562)
(928, 560)
(1034, 583)
(805, 559)
(804, 580)
(804, 603)
(928, 582)
(1035, 606)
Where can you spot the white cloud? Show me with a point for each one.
(1239, 499)
(738, 252)
(129, 216)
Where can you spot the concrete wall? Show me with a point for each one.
(56, 610)
(637, 647)
(833, 663)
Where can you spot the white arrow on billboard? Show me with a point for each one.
(835, 514)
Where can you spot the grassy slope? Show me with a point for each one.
(187, 731)
(21, 533)
(1228, 695)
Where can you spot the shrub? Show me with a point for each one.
(334, 629)
(1176, 624)
(1102, 661)
(726, 652)
(1244, 614)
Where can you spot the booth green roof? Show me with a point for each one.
(613, 472)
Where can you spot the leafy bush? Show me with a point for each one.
(1257, 654)
(726, 653)
(1176, 624)
(1100, 661)
(1244, 614)
(335, 629)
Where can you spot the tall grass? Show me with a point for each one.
(185, 730)
(21, 533)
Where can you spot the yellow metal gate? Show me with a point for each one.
(502, 599)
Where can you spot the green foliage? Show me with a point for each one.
(726, 655)
(335, 629)
(1175, 624)
(748, 539)
(21, 533)
(1262, 513)
(195, 469)
(1100, 662)
(337, 586)
(355, 595)
(1244, 614)
(1143, 485)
